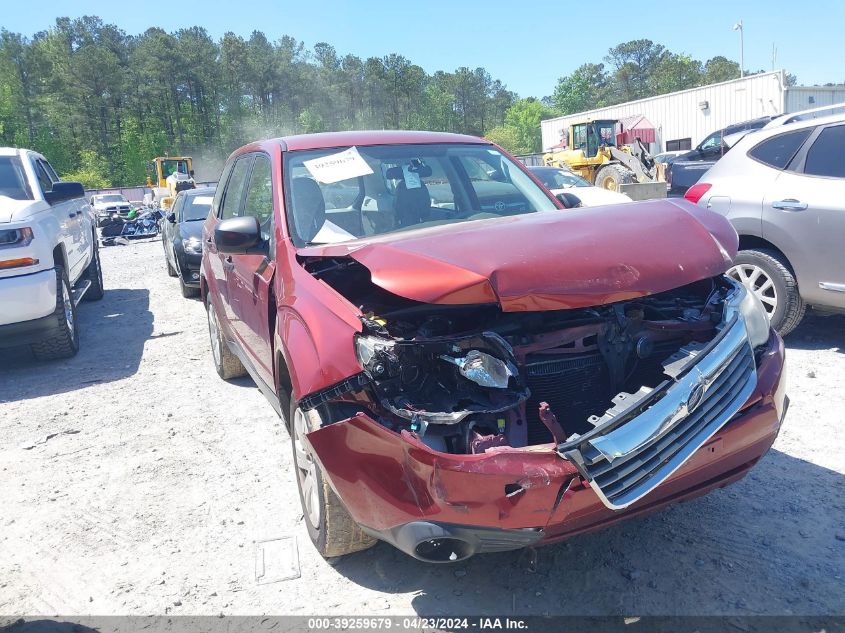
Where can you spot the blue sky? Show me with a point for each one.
(527, 45)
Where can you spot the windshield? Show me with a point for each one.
(559, 178)
(110, 197)
(340, 194)
(12, 179)
(170, 166)
(196, 207)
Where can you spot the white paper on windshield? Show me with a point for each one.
(336, 167)
(412, 178)
(203, 199)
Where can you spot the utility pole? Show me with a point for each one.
(738, 27)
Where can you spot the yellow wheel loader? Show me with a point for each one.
(167, 176)
(592, 153)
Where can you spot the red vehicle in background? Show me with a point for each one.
(463, 365)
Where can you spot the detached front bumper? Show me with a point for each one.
(441, 507)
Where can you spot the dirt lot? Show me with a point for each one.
(133, 480)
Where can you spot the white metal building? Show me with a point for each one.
(682, 119)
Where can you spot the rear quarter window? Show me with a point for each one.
(824, 158)
(778, 151)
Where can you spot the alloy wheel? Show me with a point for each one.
(214, 332)
(757, 281)
(306, 470)
(67, 302)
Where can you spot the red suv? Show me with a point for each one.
(463, 365)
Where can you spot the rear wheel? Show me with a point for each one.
(225, 362)
(612, 176)
(94, 274)
(170, 270)
(64, 342)
(766, 273)
(331, 529)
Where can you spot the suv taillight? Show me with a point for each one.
(696, 192)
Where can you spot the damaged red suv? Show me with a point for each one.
(466, 367)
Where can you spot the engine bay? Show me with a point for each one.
(471, 378)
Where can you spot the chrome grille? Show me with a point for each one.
(632, 459)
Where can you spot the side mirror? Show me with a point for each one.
(191, 173)
(171, 218)
(569, 200)
(237, 235)
(64, 191)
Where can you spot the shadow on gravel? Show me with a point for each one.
(770, 544)
(112, 336)
(819, 332)
(45, 626)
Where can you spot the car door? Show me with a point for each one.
(252, 274)
(170, 235)
(69, 219)
(805, 212)
(230, 205)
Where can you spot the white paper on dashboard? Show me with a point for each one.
(336, 167)
(203, 199)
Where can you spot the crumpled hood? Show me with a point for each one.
(552, 260)
(12, 210)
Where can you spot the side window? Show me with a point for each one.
(177, 207)
(779, 150)
(50, 171)
(259, 195)
(233, 193)
(824, 158)
(221, 186)
(712, 142)
(43, 177)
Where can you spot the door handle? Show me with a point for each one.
(789, 204)
(228, 264)
(71, 215)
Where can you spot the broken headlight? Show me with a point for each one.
(483, 369)
(745, 303)
(376, 355)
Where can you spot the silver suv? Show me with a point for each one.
(783, 188)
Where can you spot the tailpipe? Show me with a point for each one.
(447, 543)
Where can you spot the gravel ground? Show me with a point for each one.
(133, 480)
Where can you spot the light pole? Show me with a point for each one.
(738, 27)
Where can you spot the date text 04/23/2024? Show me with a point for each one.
(417, 624)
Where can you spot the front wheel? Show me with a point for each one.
(766, 273)
(94, 274)
(331, 529)
(64, 341)
(610, 177)
(225, 362)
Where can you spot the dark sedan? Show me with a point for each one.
(182, 237)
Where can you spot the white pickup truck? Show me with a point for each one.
(49, 257)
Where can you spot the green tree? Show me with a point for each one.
(586, 88)
(720, 69)
(91, 172)
(523, 119)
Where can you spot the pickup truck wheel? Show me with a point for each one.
(228, 365)
(766, 273)
(64, 343)
(611, 176)
(331, 529)
(94, 274)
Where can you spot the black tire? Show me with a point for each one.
(64, 341)
(611, 176)
(333, 532)
(228, 365)
(188, 291)
(171, 272)
(94, 274)
(789, 308)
